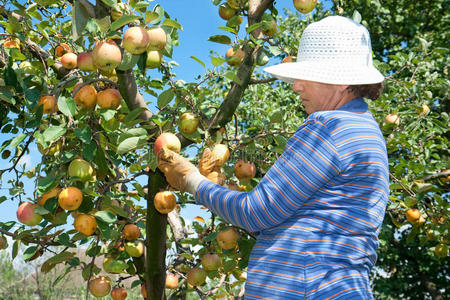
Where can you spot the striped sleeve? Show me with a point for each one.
(308, 163)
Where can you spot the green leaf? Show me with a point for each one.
(15, 249)
(217, 61)
(229, 29)
(253, 27)
(130, 144)
(275, 50)
(221, 39)
(128, 61)
(67, 106)
(89, 151)
(53, 132)
(107, 114)
(172, 23)
(199, 61)
(29, 252)
(17, 140)
(165, 98)
(110, 3)
(64, 239)
(84, 134)
(276, 117)
(122, 21)
(100, 160)
(80, 17)
(132, 115)
(233, 76)
(155, 16)
(53, 261)
(104, 228)
(105, 216)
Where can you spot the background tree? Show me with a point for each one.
(235, 103)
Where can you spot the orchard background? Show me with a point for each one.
(237, 105)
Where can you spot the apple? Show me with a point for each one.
(269, 25)
(50, 151)
(227, 239)
(171, 281)
(11, 44)
(49, 103)
(168, 140)
(135, 40)
(143, 291)
(50, 194)
(244, 170)
(3, 243)
(425, 109)
(392, 119)
(188, 123)
(217, 177)
(70, 198)
(234, 4)
(131, 232)
(305, 6)
(234, 58)
(196, 276)
(100, 286)
(69, 61)
(85, 224)
(118, 294)
(154, 59)
(157, 37)
(86, 97)
(226, 12)
(107, 55)
(81, 169)
(221, 153)
(441, 250)
(211, 262)
(135, 249)
(165, 202)
(26, 214)
(288, 59)
(109, 98)
(62, 49)
(413, 215)
(262, 59)
(85, 62)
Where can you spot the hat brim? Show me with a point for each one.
(325, 73)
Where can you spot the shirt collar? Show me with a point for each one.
(355, 105)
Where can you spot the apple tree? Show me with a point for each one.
(92, 85)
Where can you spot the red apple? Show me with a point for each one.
(211, 262)
(234, 58)
(305, 6)
(168, 140)
(135, 40)
(171, 281)
(188, 123)
(118, 294)
(69, 60)
(85, 62)
(26, 214)
(227, 239)
(2, 242)
(244, 170)
(109, 98)
(107, 55)
(221, 153)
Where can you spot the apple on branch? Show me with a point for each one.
(169, 141)
(26, 214)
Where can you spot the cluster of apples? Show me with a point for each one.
(69, 198)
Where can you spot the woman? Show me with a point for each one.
(317, 212)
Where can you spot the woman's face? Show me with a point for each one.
(318, 96)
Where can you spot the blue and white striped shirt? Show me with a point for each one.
(317, 212)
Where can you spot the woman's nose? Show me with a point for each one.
(297, 86)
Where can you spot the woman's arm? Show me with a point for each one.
(310, 160)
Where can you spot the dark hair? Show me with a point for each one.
(370, 91)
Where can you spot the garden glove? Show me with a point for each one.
(180, 173)
(207, 162)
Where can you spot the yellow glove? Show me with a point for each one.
(180, 173)
(207, 162)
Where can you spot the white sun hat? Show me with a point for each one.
(334, 50)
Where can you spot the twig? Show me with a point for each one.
(411, 193)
